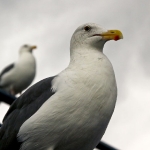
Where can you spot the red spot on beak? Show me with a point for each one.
(116, 38)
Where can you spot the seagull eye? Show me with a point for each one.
(25, 45)
(87, 28)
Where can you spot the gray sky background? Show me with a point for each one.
(50, 25)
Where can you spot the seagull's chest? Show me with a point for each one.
(26, 68)
(89, 90)
(78, 112)
(26, 65)
(88, 98)
(94, 80)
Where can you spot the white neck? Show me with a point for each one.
(26, 59)
(85, 56)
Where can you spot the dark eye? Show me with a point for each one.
(87, 28)
(25, 45)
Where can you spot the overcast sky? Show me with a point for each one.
(50, 25)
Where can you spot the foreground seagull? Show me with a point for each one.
(18, 76)
(69, 111)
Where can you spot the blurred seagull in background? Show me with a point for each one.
(18, 76)
(69, 111)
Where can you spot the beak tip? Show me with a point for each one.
(34, 47)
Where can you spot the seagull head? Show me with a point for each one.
(27, 48)
(92, 35)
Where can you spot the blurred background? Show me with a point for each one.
(50, 25)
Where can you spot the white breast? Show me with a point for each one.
(78, 112)
(21, 76)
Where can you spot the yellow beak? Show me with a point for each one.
(112, 35)
(33, 47)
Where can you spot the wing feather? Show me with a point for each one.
(23, 108)
(8, 68)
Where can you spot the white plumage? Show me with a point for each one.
(69, 111)
(76, 116)
(18, 76)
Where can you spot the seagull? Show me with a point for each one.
(18, 76)
(69, 111)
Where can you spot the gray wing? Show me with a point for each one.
(23, 108)
(8, 68)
